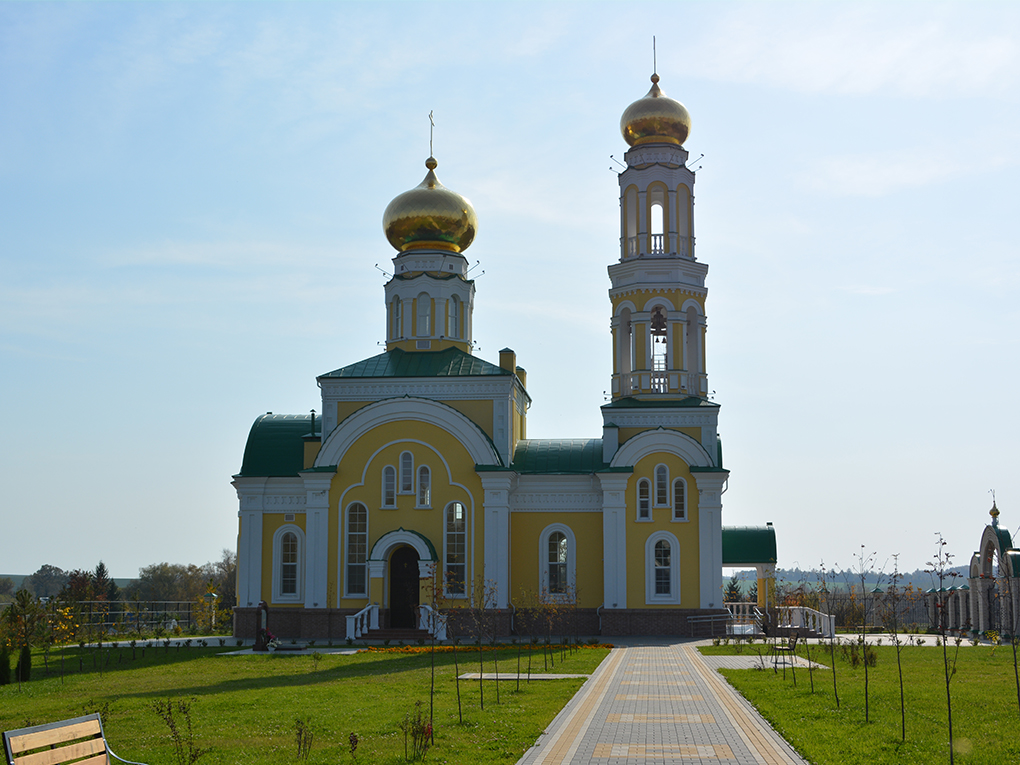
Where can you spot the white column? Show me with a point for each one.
(614, 538)
(496, 510)
(316, 537)
(710, 536)
(249, 542)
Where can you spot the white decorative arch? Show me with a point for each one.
(692, 303)
(658, 441)
(387, 542)
(405, 409)
(658, 300)
(623, 305)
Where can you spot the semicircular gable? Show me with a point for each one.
(662, 440)
(406, 409)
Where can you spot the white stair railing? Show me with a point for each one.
(806, 618)
(366, 619)
(432, 622)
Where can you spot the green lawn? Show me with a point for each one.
(986, 721)
(245, 707)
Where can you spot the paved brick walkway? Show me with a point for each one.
(659, 703)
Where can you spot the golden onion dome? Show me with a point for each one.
(655, 119)
(430, 216)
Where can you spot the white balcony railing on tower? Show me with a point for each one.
(656, 244)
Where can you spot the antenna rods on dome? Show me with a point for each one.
(619, 162)
(477, 263)
(384, 273)
(655, 62)
(432, 127)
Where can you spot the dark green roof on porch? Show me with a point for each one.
(451, 362)
(748, 545)
(276, 445)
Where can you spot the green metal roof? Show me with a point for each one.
(558, 456)
(666, 403)
(1005, 541)
(276, 445)
(451, 362)
(748, 545)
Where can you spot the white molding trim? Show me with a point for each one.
(474, 440)
(651, 598)
(385, 544)
(543, 564)
(278, 596)
(662, 440)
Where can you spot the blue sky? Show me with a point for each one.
(190, 207)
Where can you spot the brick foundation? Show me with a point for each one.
(320, 624)
(664, 621)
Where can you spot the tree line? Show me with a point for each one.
(156, 582)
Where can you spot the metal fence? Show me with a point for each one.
(112, 617)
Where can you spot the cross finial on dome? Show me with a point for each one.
(432, 127)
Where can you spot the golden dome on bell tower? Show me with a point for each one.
(655, 119)
(430, 216)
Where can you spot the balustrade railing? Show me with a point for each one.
(806, 618)
(432, 622)
(366, 619)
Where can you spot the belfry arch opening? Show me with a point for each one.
(658, 338)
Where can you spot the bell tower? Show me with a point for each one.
(658, 287)
(429, 300)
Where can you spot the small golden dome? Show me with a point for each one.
(655, 119)
(430, 216)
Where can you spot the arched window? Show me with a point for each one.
(559, 564)
(406, 473)
(357, 550)
(662, 569)
(424, 328)
(389, 486)
(644, 500)
(424, 487)
(287, 554)
(455, 553)
(679, 500)
(454, 320)
(661, 486)
(398, 315)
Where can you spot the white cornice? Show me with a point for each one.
(438, 388)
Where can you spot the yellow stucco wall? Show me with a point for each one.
(271, 522)
(686, 533)
(525, 562)
(359, 479)
(479, 412)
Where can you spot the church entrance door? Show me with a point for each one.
(403, 587)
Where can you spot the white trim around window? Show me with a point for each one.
(288, 564)
(679, 500)
(662, 569)
(424, 498)
(567, 577)
(406, 485)
(355, 551)
(644, 500)
(389, 487)
(661, 486)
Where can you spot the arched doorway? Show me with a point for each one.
(403, 587)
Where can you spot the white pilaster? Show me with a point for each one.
(316, 537)
(710, 486)
(614, 538)
(249, 542)
(496, 510)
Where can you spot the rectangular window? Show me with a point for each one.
(455, 570)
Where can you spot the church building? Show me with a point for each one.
(416, 491)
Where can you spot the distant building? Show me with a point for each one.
(418, 485)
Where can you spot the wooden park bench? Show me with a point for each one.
(80, 741)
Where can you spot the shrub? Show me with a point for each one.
(24, 669)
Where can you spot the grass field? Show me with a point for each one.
(986, 721)
(245, 708)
